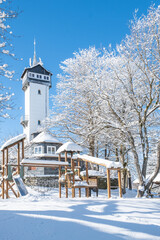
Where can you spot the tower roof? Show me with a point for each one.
(37, 69)
(69, 147)
(36, 66)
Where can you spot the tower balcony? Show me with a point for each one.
(24, 120)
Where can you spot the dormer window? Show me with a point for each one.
(32, 74)
(39, 91)
(38, 150)
(45, 77)
(51, 149)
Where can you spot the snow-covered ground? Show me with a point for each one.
(43, 216)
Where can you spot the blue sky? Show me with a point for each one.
(61, 27)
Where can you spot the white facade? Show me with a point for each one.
(36, 82)
(36, 107)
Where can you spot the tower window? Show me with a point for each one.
(39, 91)
(39, 122)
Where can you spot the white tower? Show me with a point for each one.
(36, 82)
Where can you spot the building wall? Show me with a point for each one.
(43, 181)
(44, 146)
(27, 111)
(36, 106)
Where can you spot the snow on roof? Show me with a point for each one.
(81, 184)
(29, 68)
(92, 173)
(40, 162)
(157, 179)
(69, 147)
(99, 161)
(13, 140)
(45, 137)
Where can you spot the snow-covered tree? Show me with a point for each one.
(5, 102)
(142, 47)
(111, 98)
(75, 98)
(6, 49)
(131, 92)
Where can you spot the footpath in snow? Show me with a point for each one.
(40, 216)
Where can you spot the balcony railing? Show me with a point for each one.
(24, 120)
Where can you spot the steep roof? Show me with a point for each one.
(45, 137)
(92, 173)
(13, 140)
(37, 69)
(42, 163)
(99, 161)
(69, 147)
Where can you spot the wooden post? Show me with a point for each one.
(59, 182)
(22, 155)
(18, 158)
(59, 158)
(3, 169)
(66, 176)
(22, 148)
(119, 183)
(7, 173)
(79, 176)
(87, 189)
(78, 168)
(108, 183)
(18, 163)
(73, 189)
(11, 187)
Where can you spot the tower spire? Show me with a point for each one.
(34, 57)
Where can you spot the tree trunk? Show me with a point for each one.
(106, 152)
(124, 172)
(124, 175)
(116, 153)
(146, 152)
(140, 190)
(91, 151)
(97, 151)
(129, 181)
(147, 187)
